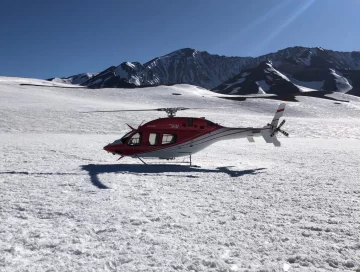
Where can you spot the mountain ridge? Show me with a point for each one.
(200, 68)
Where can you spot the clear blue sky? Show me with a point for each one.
(48, 38)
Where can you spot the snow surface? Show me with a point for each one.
(235, 90)
(342, 84)
(75, 79)
(271, 69)
(66, 205)
(32, 81)
(307, 86)
(263, 86)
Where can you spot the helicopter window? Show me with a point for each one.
(209, 123)
(125, 137)
(168, 139)
(153, 138)
(190, 122)
(135, 139)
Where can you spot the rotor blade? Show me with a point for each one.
(284, 132)
(158, 109)
(274, 132)
(178, 109)
(281, 124)
(175, 109)
(118, 110)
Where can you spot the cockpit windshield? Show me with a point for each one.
(209, 123)
(125, 137)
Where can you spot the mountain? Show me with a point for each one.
(314, 68)
(353, 76)
(265, 78)
(196, 67)
(314, 58)
(318, 68)
(76, 79)
(262, 79)
(182, 66)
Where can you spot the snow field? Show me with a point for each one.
(66, 205)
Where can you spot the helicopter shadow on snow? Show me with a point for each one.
(94, 170)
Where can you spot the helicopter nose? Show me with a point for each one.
(107, 148)
(113, 149)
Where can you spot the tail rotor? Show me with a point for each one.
(270, 131)
(278, 129)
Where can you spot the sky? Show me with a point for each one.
(48, 38)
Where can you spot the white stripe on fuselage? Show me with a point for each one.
(195, 145)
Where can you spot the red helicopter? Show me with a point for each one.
(167, 138)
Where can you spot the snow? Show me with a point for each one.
(135, 80)
(97, 81)
(62, 80)
(244, 207)
(307, 86)
(236, 82)
(120, 72)
(263, 86)
(131, 65)
(235, 90)
(32, 81)
(271, 69)
(342, 84)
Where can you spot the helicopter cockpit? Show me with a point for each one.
(135, 139)
(125, 137)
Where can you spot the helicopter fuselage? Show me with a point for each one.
(175, 137)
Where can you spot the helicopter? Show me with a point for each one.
(171, 137)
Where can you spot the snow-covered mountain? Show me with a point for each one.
(318, 68)
(262, 79)
(126, 75)
(76, 79)
(182, 66)
(196, 67)
(315, 58)
(353, 77)
(313, 66)
(265, 78)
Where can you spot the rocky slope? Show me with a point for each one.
(314, 68)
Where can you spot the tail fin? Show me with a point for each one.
(278, 114)
(270, 130)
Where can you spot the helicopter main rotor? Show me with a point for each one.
(171, 112)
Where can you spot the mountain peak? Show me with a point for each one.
(265, 64)
(190, 66)
(184, 52)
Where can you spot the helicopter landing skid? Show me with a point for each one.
(141, 160)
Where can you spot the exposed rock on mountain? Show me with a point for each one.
(309, 68)
(262, 79)
(197, 68)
